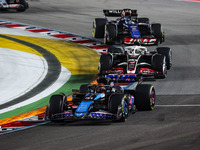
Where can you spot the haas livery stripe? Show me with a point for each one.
(142, 41)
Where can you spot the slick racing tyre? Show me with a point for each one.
(56, 105)
(110, 34)
(167, 52)
(119, 106)
(157, 32)
(105, 63)
(99, 27)
(143, 20)
(159, 64)
(145, 97)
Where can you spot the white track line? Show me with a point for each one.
(20, 72)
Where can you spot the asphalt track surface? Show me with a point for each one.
(175, 122)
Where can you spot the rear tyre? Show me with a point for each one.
(157, 32)
(99, 27)
(110, 34)
(143, 20)
(167, 52)
(145, 97)
(118, 106)
(159, 64)
(105, 63)
(56, 105)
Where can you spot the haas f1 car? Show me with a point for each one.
(127, 29)
(135, 60)
(101, 101)
(19, 5)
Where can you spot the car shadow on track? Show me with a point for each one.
(81, 123)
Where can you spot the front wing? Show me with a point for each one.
(69, 115)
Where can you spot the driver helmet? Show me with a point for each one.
(126, 13)
(101, 88)
(136, 51)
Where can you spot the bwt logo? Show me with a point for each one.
(98, 115)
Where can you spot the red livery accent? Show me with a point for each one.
(146, 71)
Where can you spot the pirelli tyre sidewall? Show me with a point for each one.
(99, 27)
(145, 97)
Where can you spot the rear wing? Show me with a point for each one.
(117, 12)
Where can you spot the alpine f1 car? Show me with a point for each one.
(101, 101)
(127, 29)
(19, 5)
(136, 60)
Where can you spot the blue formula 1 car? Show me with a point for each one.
(128, 29)
(101, 101)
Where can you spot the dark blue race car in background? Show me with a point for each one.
(128, 29)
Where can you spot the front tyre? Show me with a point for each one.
(119, 106)
(110, 34)
(159, 64)
(56, 106)
(167, 52)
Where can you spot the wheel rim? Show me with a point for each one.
(94, 29)
(152, 99)
(125, 108)
(164, 68)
